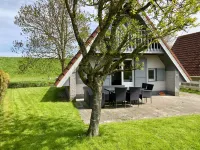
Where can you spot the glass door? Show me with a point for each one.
(127, 74)
(116, 78)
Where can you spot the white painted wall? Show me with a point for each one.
(79, 89)
(153, 61)
(66, 83)
(170, 81)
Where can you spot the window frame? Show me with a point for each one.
(125, 80)
(154, 73)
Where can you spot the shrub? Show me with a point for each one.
(4, 80)
(24, 84)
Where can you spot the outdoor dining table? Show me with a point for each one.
(111, 90)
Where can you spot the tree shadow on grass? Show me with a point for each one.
(55, 95)
(36, 132)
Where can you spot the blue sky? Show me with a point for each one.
(10, 32)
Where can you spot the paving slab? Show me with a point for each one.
(162, 106)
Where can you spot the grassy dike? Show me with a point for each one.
(41, 70)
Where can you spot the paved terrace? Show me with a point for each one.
(162, 106)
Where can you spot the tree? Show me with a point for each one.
(124, 23)
(48, 29)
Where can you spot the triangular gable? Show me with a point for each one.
(170, 53)
(73, 64)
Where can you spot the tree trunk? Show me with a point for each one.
(93, 129)
(62, 62)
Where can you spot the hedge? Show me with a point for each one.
(24, 84)
(4, 80)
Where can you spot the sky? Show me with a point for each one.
(10, 32)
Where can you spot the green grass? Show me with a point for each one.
(35, 118)
(40, 71)
(190, 91)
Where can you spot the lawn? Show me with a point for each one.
(42, 70)
(190, 91)
(36, 118)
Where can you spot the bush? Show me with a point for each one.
(4, 80)
(24, 84)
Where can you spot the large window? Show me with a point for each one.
(152, 74)
(127, 74)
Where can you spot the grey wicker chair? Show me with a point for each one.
(144, 86)
(148, 92)
(120, 95)
(134, 94)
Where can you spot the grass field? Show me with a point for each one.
(40, 71)
(35, 118)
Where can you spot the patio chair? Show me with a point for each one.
(150, 86)
(148, 92)
(144, 86)
(134, 94)
(105, 98)
(120, 95)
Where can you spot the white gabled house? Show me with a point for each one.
(161, 68)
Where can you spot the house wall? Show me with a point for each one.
(172, 80)
(107, 81)
(173, 76)
(153, 61)
(72, 86)
(66, 83)
(169, 85)
(140, 76)
(79, 86)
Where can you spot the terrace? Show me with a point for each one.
(162, 106)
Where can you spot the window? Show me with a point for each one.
(156, 74)
(127, 74)
(152, 74)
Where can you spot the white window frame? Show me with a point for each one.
(154, 72)
(130, 71)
